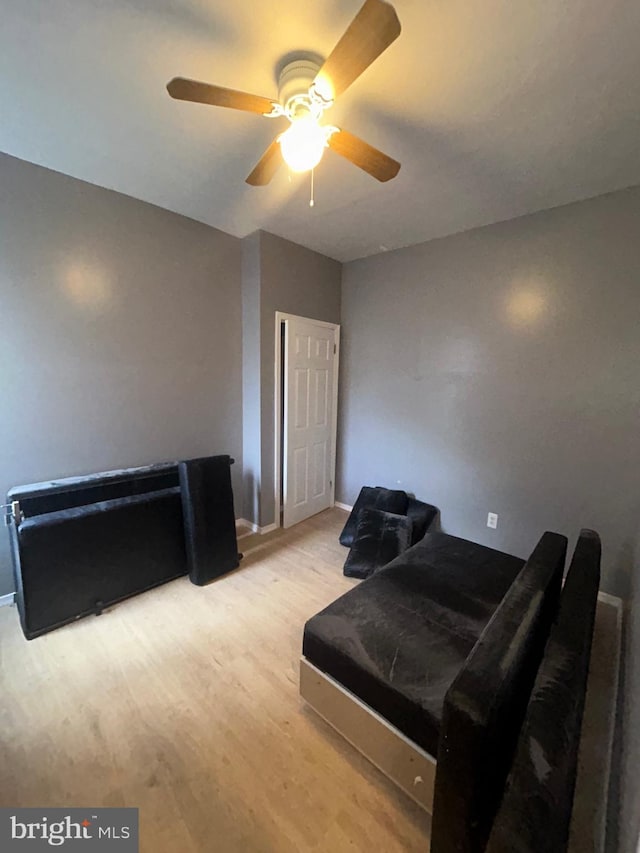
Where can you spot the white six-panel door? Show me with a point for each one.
(309, 425)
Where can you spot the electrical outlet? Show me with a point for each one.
(492, 520)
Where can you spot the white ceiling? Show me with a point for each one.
(495, 108)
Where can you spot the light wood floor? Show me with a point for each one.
(184, 702)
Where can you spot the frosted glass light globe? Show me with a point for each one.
(303, 144)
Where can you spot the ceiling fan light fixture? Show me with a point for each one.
(303, 144)
(306, 89)
(322, 91)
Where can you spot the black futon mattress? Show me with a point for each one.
(398, 639)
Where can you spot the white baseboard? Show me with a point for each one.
(7, 600)
(254, 528)
(613, 600)
(343, 506)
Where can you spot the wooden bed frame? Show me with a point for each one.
(405, 763)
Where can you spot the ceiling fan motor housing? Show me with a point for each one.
(293, 87)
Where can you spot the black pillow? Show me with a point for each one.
(380, 537)
(373, 497)
(422, 515)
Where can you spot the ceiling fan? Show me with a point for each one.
(305, 91)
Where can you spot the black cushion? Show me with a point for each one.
(535, 814)
(209, 517)
(72, 562)
(373, 497)
(399, 638)
(485, 705)
(422, 516)
(380, 537)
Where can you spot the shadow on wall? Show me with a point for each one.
(621, 568)
(250, 509)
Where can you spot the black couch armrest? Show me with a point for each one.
(485, 705)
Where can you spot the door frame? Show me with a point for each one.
(280, 464)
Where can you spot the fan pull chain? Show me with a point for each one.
(311, 200)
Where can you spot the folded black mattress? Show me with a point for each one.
(398, 640)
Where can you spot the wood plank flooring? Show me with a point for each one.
(184, 702)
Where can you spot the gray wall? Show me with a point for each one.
(498, 370)
(120, 333)
(294, 280)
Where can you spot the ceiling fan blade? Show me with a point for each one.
(370, 33)
(363, 155)
(267, 166)
(206, 93)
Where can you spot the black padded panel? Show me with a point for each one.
(380, 537)
(485, 705)
(67, 562)
(68, 492)
(422, 516)
(535, 814)
(209, 518)
(399, 638)
(373, 497)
